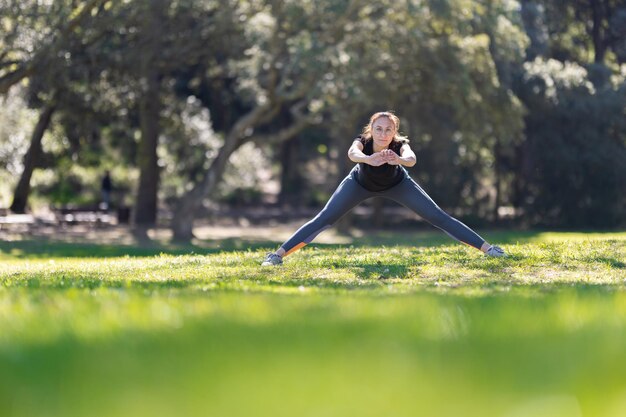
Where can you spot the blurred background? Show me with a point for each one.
(241, 112)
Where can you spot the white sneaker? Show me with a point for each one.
(272, 259)
(496, 252)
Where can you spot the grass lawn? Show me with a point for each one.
(404, 324)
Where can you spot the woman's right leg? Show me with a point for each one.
(346, 196)
(411, 195)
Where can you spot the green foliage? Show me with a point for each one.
(587, 31)
(370, 330)
(575, 134)
(16, 122)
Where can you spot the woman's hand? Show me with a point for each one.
(390, 157)
(377, 159)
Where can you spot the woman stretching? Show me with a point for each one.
(380, 153)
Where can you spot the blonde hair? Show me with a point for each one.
(367, 129)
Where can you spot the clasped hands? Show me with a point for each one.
(386, 156)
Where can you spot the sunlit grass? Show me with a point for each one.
(368, 329)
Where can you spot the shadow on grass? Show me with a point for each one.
(42, 248)
(612, 262)
(51, 248)
(432, 237)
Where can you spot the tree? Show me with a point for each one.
(577, 136)
(568, 170)
(25, 48)
(149, 112)
(292, 43)
(506, 126)
(160, 45)
(31, 159)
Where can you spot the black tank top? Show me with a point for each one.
(382, 177)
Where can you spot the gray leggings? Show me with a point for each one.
(408, 193)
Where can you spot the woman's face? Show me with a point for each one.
(383, 131)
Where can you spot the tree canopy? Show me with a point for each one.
(516, 104)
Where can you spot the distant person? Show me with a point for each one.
(380, 153)
(106, 187)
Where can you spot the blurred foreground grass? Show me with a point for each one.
(416, 327)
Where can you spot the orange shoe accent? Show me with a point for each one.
(295, 248)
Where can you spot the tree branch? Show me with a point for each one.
(301, 121)
(28, 68)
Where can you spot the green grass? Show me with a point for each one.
(403, 324)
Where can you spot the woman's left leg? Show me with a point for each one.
(347, 195)
(410, 194)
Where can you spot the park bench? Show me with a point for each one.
(91, 215)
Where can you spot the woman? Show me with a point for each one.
(380, 153)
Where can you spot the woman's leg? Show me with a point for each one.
(411, 195)
(346, 196)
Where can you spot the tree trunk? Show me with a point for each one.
(535, 27)
(599, 45)
(505, 77)
(498, 180)
(189, 204)
(182, 222)
(290, 178)
(149, 110)
(378, 217)
(31, 159)
(146, 205)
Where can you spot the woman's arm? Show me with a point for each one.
(355, 154)
(407, 156)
